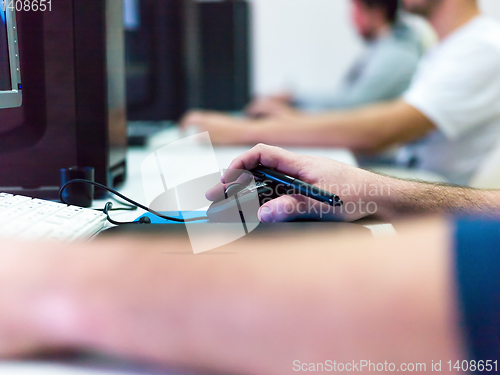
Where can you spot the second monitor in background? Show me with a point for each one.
(154, 60)
(10, 75)
(184, 54)
(218, 54)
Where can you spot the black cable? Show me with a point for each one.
(113, 191)
(109, 207)
(128, 207)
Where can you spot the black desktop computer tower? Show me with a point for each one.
(218, 54)
(155, 60)
(185, 54)
(73, 111)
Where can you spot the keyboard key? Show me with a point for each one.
(38, 231)
(5, 196)
(12, 229)
(19, 199)
(69, 212)
(34, 217)
(56, 205)
(56, 220)
(48, 210)
(91, 216)
(32, 205)
(60, 235)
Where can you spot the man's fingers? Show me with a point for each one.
(199, 117)
(259, 107)
(271, 157)
(239, 177)
(216, 193)
(268, 109)
(293, 207)
(192, 118)
(279, 210)
(254, 109)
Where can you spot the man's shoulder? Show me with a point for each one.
(489, 33)
(474, 45)
(481, 34)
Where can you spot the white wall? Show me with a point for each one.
(492, 7)
(301, 45)
(305, 46)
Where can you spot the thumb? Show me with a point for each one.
(281, 209)
(293, 207)
(192, 118)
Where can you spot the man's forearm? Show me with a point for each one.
(334, 129)
(410, 198)
(367, 129)
(277, 300)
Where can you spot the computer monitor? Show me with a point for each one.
(73, 100)
(10, 75)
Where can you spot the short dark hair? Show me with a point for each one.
(389, 7)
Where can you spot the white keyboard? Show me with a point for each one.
(36, 219)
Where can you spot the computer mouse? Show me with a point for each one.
(241, 203)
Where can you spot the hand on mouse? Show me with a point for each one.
(223, 129)
(363, 192)
(230, 130)
(270, 106)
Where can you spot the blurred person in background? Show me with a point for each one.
(449, 118)
(395, 41)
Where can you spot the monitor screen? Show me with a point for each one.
(10, 75)
(5, 79)
(131, 14)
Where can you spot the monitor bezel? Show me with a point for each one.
(14, 97)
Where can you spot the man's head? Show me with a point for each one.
(427, 8)
(370, 16)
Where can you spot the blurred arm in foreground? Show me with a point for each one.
(278, 300)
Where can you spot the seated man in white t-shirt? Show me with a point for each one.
(450, 115)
